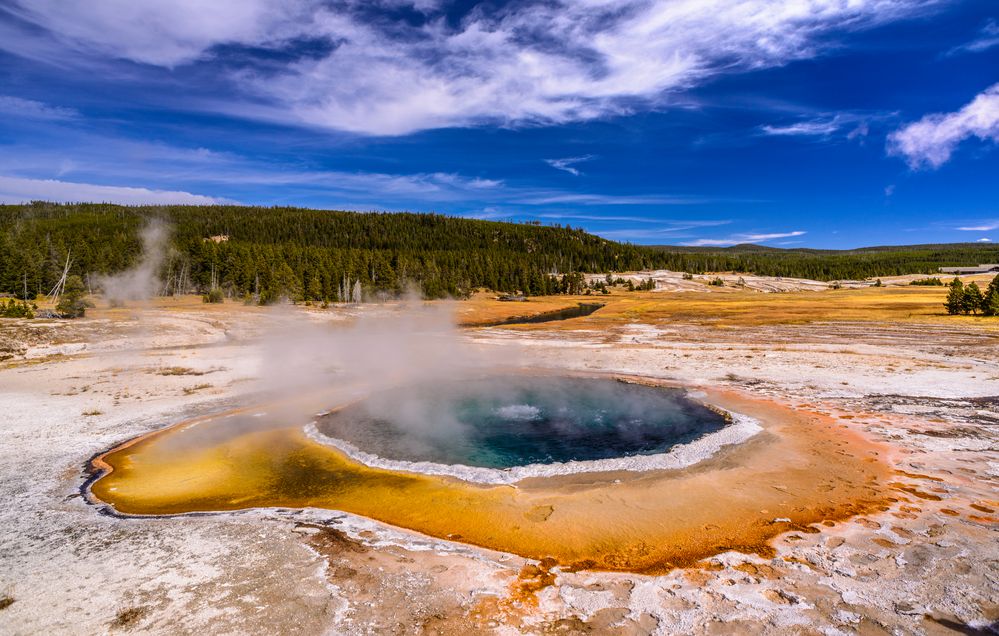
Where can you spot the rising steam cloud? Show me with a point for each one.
(388, 345)
(142, 281)
(390, 356)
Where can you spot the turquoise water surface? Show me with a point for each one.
(502, 422)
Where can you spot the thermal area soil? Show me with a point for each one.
(833, 376)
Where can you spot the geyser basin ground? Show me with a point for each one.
(802, 469)
(501, 429)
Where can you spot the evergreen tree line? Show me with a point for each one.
(969, 299)
(301, 254)
(268, 253)
(827, 265)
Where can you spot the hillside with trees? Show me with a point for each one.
(268, 253)
(827, 265)
(300, 253)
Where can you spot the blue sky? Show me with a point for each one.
(818, 123)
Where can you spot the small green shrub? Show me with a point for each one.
(17, 309)
(214, 297)
(72, 301)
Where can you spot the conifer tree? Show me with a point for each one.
(313, 288)
(990, 301)
(72, 303)
(972, 299)
(286, 283)
(955, 297)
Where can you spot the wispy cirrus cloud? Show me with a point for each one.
(988, 226)
(19, 190)
(568, 164)
(619, 218)
(524, 63)
(95, 159)
(818, 128)
(177, 32)
(931, 141)
(551, 196)
(495, 213)
(851, 125)
(987, 38)
(668, 230)
(31, 109)
(736, 239)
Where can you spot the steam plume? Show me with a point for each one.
(141, 281)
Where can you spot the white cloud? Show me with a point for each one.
(428, 186)
(737, 239)
(804, 128)
(567, 164)
(30, 109)
(97, 158)
(862, 130)
(164, 32)
(18, 190)
(931, 141)
(853, 125)
(988, 226)
(523, 63)
(550, 197)
(668, 230)
(987, 38)
(616, 218)
(984, 240)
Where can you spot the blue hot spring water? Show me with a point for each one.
(502, 422)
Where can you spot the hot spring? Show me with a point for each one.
(591, 471)
(528, 423)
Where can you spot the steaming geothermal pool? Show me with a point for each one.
(507, 422)
(588, 471)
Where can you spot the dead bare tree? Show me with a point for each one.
(53, 295)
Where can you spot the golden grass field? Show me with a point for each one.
(714, 307)
(732, 308)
